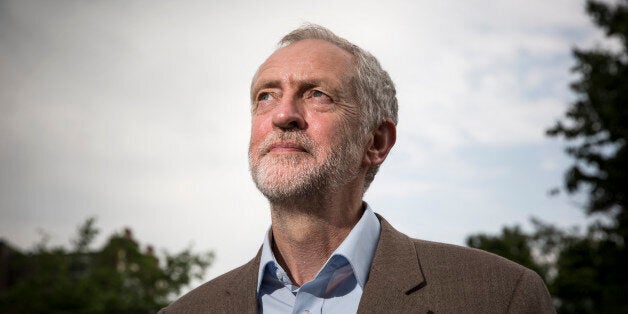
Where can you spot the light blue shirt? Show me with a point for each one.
(338, 286)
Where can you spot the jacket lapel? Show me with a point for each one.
(395, 276)
(394, 279)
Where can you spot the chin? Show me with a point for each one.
(295, 176)
(274, 184)
(279, 181)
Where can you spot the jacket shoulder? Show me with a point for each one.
(481, 278)
(465, 258)
(233, 291)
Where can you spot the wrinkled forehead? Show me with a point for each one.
(310, 57)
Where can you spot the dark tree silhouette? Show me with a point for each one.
(119, 278)
(596, 125)
(586, 272)
(597, 122)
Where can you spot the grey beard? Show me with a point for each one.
(301, 184)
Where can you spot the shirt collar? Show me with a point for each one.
(358, 248)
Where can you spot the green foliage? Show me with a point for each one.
(586, 272)
(119, 278)
(86, 234)
(592, 269)
(597, 122)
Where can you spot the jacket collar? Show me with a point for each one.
(394, 279)
(358, 248)
(395, 275)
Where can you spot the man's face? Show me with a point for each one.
(304, 134)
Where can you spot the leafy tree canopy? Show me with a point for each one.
(596, 124)
(121, 277)
(586, 272)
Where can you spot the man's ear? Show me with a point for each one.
(382, 140)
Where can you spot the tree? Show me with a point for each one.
(119, 278)
(586, 273)
(597, 122)
(597, 127)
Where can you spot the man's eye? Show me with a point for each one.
(319, 97)
(264, 96)
(318, 93)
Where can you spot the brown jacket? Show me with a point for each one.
(407, 276)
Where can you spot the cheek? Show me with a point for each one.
(261, 128)
(260, 125)
(258, 133)
(325, 132)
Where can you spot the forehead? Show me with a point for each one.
(305, 60)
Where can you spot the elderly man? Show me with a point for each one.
(324, 117)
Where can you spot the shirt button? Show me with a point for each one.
(306, 312)
(278, 274)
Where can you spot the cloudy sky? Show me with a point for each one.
(137, 113)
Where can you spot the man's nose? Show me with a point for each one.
(288, 115)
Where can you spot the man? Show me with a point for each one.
(324, 117)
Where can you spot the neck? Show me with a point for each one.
(306, 231)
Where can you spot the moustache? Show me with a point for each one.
(292, 139)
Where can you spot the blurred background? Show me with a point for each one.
(137, 113)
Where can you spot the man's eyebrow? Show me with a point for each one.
(309, 83)
(303, 84)
(257, 86)
(337, 90)
(266, 84)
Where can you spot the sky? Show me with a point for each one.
(137, 113)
